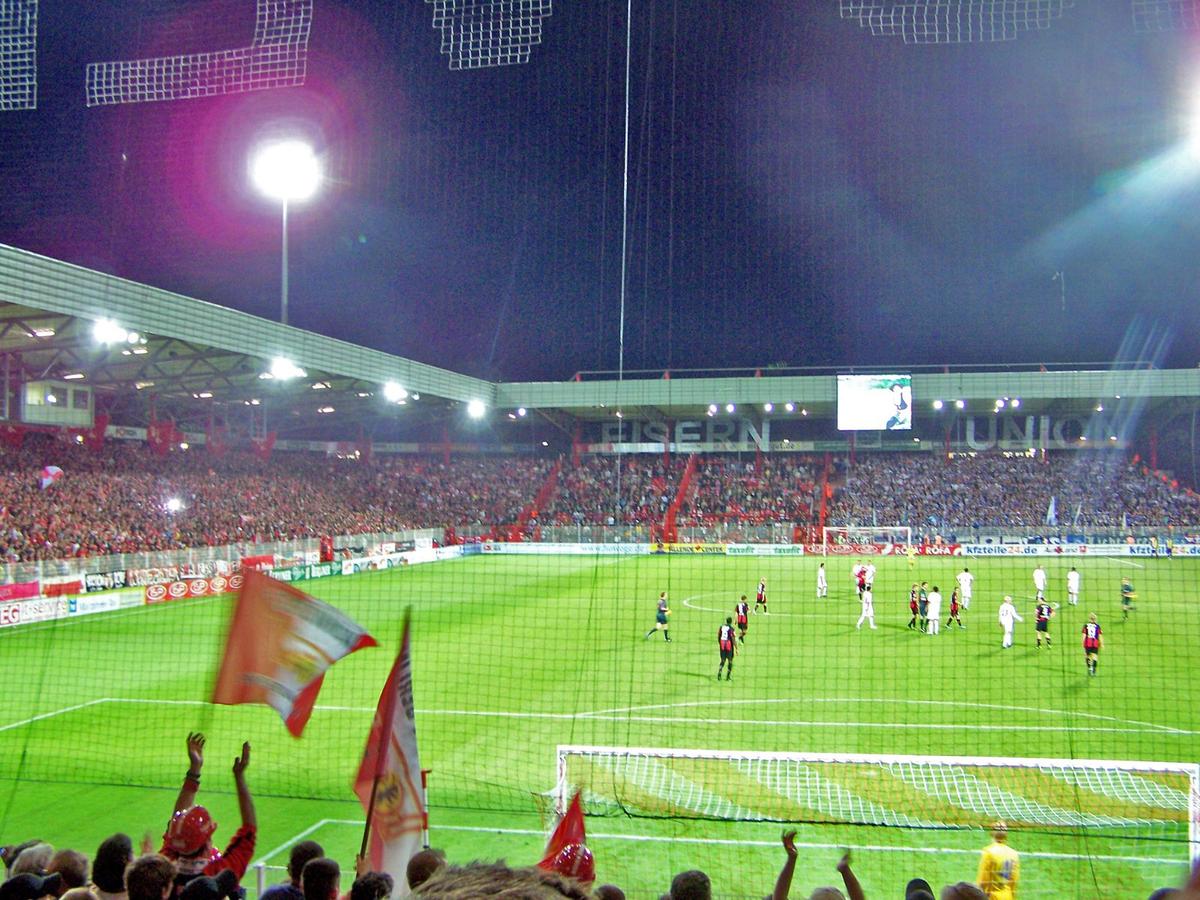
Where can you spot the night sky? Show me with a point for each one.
(800, 191)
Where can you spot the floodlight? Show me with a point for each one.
(938, 404)
(394, 393)
(106, 331)
(286, 170)
(768, 407)
(476, 409)
(960, 404)
(790, 407)
(283, 369)
(174, 505)
(521, 411)
(1015, 402)
(1099, 407)
(712, 408)
(729, 407)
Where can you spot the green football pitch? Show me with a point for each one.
(517, 655)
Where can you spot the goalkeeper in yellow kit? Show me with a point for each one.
(999, 866)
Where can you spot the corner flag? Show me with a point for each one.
(280, 643)
(389, 780)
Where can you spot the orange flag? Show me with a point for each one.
(280, 643)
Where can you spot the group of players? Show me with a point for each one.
(925, 604)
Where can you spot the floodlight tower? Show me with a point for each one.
(285, 171)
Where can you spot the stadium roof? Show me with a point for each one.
(193, 357)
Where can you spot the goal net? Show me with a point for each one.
(1111, 800)
(864, 539)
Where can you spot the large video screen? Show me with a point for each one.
(874, 402)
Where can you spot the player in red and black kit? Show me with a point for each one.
(742, 610)
(955, 606)
(1092, 642)
(912, 605)
(728, 647)
(188, 839)
(760, 599)
(1043, 615)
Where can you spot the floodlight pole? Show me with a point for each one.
(283, 280)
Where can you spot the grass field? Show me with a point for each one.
(516, 655)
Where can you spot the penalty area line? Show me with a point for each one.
(730, 842)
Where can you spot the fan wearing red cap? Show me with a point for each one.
(188, 839)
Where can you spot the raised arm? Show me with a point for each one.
(853, 889)
(245, 801)
(191, 781)
(783, 883)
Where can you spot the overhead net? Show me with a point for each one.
(276, 57)
(489, 34)
(940, 22)
(18, 54)
(1166, 15)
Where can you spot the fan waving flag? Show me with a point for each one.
(389, 780)
(566, 851)
(280, 643)
(50, 474)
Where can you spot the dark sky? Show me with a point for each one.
(800, 191)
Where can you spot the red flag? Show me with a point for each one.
(566, 851)
(389, 780)
(280, 643)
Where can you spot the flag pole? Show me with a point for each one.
(362, 850)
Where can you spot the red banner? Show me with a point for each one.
(25, 590)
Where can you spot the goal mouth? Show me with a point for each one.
(864, 540)
(1119, 799)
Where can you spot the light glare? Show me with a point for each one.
(286, 170)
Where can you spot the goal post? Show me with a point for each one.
(1121, 800)
(854, 539)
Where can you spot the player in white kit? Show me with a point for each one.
(1073, 587)
(1008, 616)
(965, 582)
(1039, 583)
(868, 608)
(934, 611)
(822, 583)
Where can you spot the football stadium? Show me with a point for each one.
(631, 448)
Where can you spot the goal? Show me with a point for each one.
(1111, 800)
(854, 539)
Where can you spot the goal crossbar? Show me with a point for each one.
(1127, 798)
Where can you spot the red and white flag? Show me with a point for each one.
(280, 643)
(389, 780)
(566, 851)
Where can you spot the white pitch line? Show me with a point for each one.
(295, 839)
(102, 617)
(629, 715)
(730, 842)
(51, 714)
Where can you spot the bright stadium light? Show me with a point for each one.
(768, 407)
(938, 404)
(712, 409)
(286, 171)
(790, 407)
(521, 412)
(960, 404)
(174, 505)
(106, 331)
(476, 409)
(394, 393)
(1015, 402)
(284, 369)
(729, 408)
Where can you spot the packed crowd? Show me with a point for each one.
(188, 866)
(739, 489)
(118, 499)
(1098, 489)
(589, 493)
